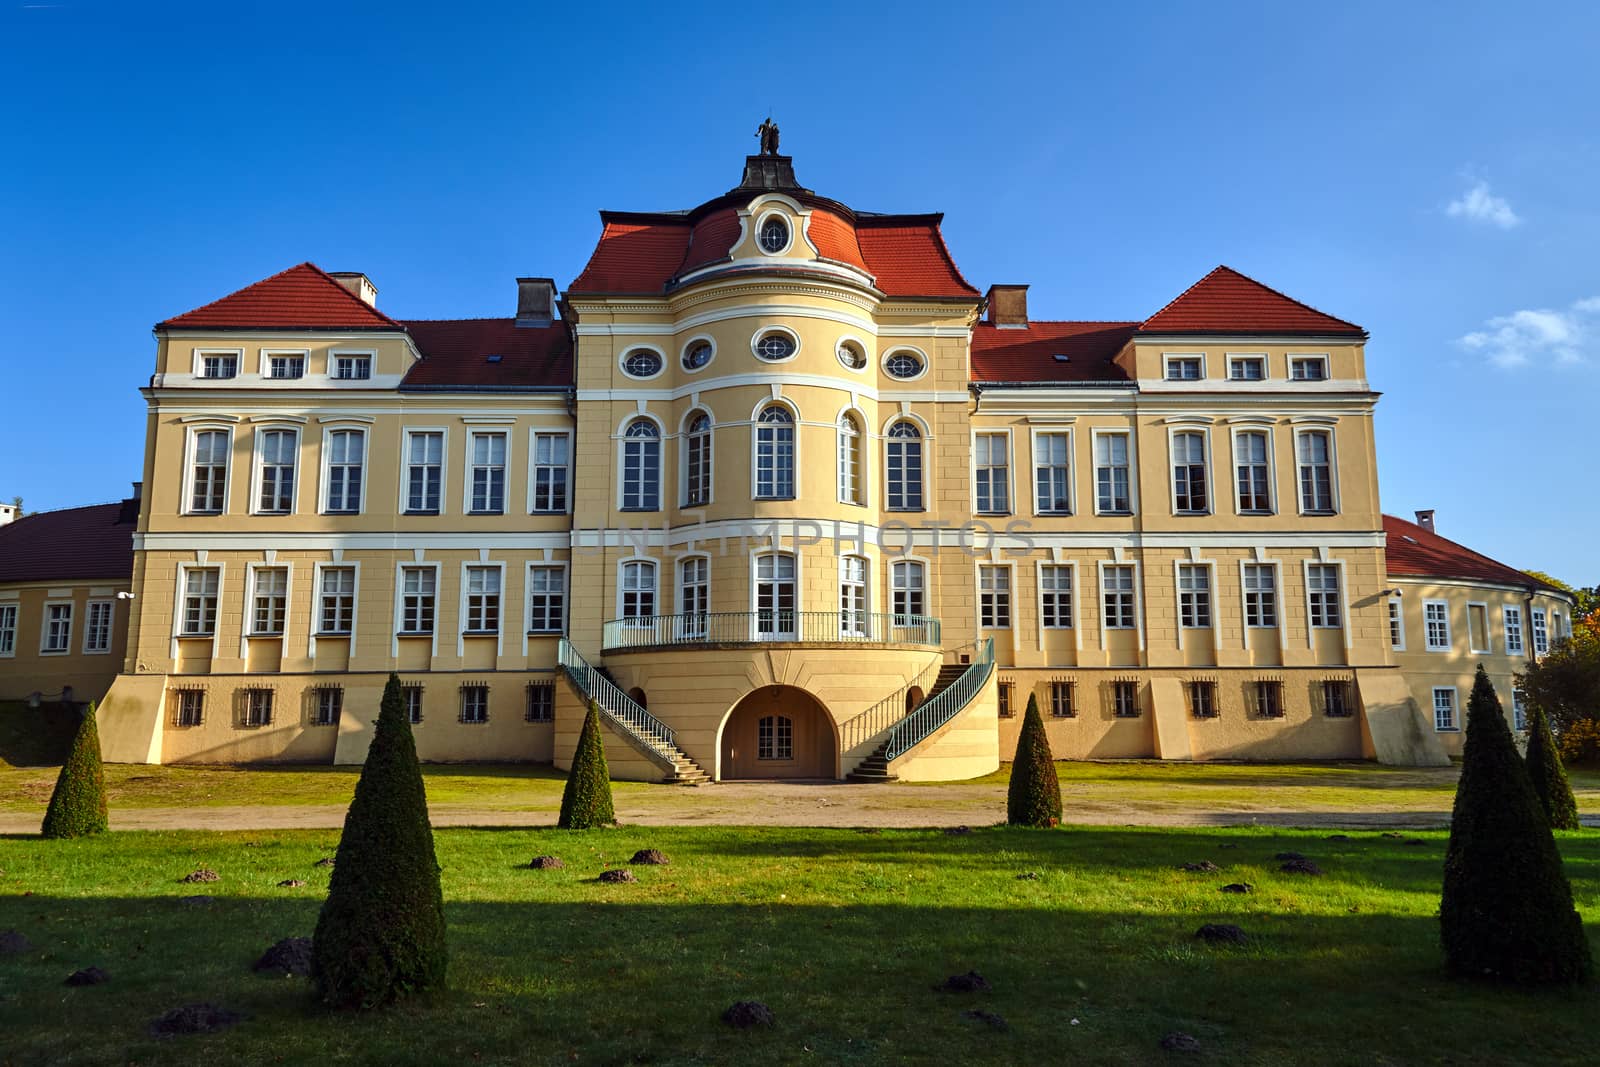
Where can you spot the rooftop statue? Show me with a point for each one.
(768, 132)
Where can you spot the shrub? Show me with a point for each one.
(586, 802)
(1548, 776)
(1506, 913)
(381, 933)
(1034, 795)
(1580, 744)
(78, 804)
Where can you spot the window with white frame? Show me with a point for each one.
(424, 471)
(483, 600)
(697, 354)
(694, 595)
(642, 363)
(1117, 596)
(547, 599)
(487, 473)
(991, 474)
(638, 589)
(219, 365)
(474, 705)
(1185, 368)
(1444, 708)
(1055, 596)
(775, 346)
(1513, 624)
(852, 596)
(269, 601)
(1397, 626)
(8, 629)
(1308, 368)
(276, 456)
(199, 602)
(776, 595)
(286, 365)
(419, 587)
(906, 587)
(851, 488)
(1189, 496)
(1314, 452)
(1541, 633)
(347, 450)
(336, 601)
(1519, 711)
(1062, 705)
(994, 596)
(697, 462)
(1254, 472)
(903, 365)
(1322, 596)
(208, 476)
(551, 458)
(641, 466)
(1247, 368)
(1260, 595)
(903, 458)
(1194, 596)
(774, 459)
(1478, 628)
(1052, 473)
(97, 626)
(351, 368)
(1111, 474)
(1436, 624)
(56, 635)
(327, 706)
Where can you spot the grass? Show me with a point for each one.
(842, 932)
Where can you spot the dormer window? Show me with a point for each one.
(352, 368)
(1185, 368)
(1308, 368)
(219, 365)
(1247, 368)
(774, 236)
(286, 367)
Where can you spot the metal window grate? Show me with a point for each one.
(1063, 699)
(256, 706)
(1125, 698)
(412, 695)
(1338, 698)
(1203, 698)
(326, 704)
(1269, 698)
(474, 704)
(188, 705)
(1008, 707)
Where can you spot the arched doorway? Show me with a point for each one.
(779, 731)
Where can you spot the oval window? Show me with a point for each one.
(851, 355)
(903, 365)
(641, 363)
(775, 346)
(697, 355)
(774, 235)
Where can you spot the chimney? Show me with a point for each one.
(138, 490)
(536, 301)
(1008, 306)
(1425, 520)
(8, 514)
(357, 285)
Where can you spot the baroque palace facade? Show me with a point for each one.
(787, 496)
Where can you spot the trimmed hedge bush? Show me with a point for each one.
(1549, 776)
(381, 934)
(78, 804)
(1034, 795)
(586, 801)
(1506, 913)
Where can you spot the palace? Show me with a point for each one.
(788, 497)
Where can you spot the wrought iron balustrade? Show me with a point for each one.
(768, 626)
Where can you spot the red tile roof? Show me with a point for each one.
(300, 298)
(1028, 355)
(87, 543)
(1227, 302)
(711, 239)
(455, 355)
(1415, 553)
(907, 255)
(836, 239)
(634, 257)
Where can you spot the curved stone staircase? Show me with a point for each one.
(953, 690)
(644, 731)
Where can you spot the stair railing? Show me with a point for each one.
(616, 705)
(886, 712)
(921, 723)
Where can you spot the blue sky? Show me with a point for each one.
(1426, 171)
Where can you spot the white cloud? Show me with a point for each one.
(1523, 337)
(1479, 205)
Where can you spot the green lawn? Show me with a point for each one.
(842, 932)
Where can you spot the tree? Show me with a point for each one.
(1034, 795)
(78, 804)
(1548, 775)
(1566, 681)
(586, 802)
(1506, 913)
(381, 934)
(1588, 600)
(16, 502)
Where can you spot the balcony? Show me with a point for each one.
(771, 627)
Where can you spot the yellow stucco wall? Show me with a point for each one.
(28, 668)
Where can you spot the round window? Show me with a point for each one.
(775, 346)
(697, 355)
(903, 365)
(774, 235)
(641, 363)
(851, 355)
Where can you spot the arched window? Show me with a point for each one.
(775, 454)
(851, 491)
(775, 737)
(697, 461)
(641, 466)
(638, 590)
(904, 455)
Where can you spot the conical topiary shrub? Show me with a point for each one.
(381, 933)
(1506, 913)
(1549, 776)
(586, 802)
(1034, 796)
(78, 805)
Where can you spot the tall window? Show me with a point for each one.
(694, 595)
(346, 453)
(547, 599)
(1513, 621)
(1436, 621)
(1397, 627)
(1194, 596)
(1008, 709)
(641, 466)
(1260, 595)
(336, 601)
(483, 600)
(638, 590)
(8, 629)
(1112, 496)
(1541, 633)
(418, 589)
(199, 602)
(775, 737)
(852, 596)
(424, 472)
(775, 453)
(278, 448)
(270, 603)
(1315, 451)
(1116, 596)
(97, 627)
(1322, 591)
(57, 636)
(994, 596)
(550, 461)
(1444, 708)
(776, 595)
(1255, 478)
(850, 487)
(1052, 473)
(903, 455)
(993, 479)
(488, 474)
(413, 699)
(906, 580)
(1519, 711)
(1055, 596)
(209, 476)
(1189, 473)
(697, 462)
